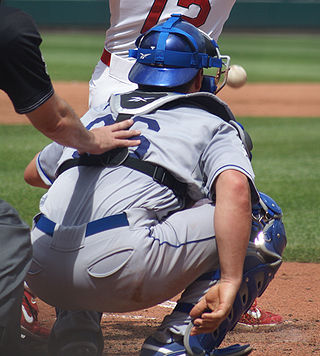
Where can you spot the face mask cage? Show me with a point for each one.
(222, 73)
(215, 78)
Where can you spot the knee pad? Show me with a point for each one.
(263, 259)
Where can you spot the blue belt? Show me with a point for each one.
(109, 222)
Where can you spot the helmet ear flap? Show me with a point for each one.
(209, 84)
(210, 45)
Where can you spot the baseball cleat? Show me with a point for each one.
(77, 343)
(30, 326)
(152, 347)
(233, 350)
(257, 318)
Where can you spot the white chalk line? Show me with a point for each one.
(167, 304)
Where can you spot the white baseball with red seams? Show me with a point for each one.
(237, 76)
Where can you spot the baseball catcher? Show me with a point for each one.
(118, 232)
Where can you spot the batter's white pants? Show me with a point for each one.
(110, 80)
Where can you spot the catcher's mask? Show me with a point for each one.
(171, 54)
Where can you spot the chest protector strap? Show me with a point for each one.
(137, 103)
(120, 157)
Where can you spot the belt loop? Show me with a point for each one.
(106, 57)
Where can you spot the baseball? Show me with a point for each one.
(237, 76)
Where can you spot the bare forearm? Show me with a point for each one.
(69, 131)
(232, 223)
(56, 119)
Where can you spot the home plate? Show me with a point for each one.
(127, 316)
(168, 304)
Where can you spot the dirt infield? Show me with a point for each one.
(294, 293)
(269, 100)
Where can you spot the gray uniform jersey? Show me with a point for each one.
(194, 145)
(154, 252)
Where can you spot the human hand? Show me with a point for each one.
(117, 135)
(213, 308)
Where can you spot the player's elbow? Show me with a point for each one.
(34, 180)
(28, 179)
(234, 185)
(31, 175)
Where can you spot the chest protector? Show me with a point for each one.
(139, 102)
(125, 106)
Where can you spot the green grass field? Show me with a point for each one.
(286, 161)
(267, 58)
(72, 55)
(286, 155)
(275, 58)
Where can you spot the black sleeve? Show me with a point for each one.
(23, 73)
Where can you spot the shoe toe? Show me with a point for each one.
(77, 343)
(79, 349)
(233, 350)
(152, 347)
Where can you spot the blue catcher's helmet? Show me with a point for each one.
(171, 54)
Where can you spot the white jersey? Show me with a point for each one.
(128, 20)
(191, 143)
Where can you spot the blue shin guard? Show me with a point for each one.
(263, 259)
